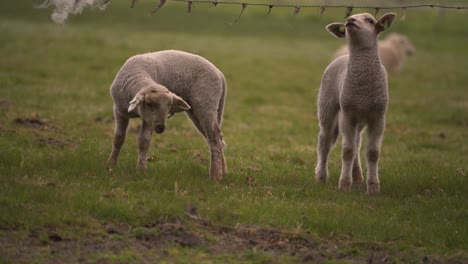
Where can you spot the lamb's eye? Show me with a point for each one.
(370, 20)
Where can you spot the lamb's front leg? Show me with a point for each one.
(357, 169)
(121, 124)
(349, 133)
(374, 133)
(144, 140)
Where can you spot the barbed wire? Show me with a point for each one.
(215, 3)
(297, 8)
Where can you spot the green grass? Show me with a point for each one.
(273, 66)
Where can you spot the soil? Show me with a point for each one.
(33, 121)
(153, 241)
(59, 142)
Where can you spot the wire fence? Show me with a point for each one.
(297, 8)
(62, 8)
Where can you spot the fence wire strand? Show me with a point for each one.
(297, 8)
(270, 6)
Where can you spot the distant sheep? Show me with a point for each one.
(354, 94)
(154, 86)
(393, 51)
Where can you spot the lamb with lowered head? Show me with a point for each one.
(155, 86)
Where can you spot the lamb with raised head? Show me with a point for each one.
(393, 51)
(354, 94)
(155, 86)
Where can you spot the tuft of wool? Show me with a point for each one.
(63, 8)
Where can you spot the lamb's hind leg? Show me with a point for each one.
(326, 139)
(223, 159)
(220, 121)
(196, 122)
(215, 141)
(375, 132)
(120, 133)
(210, 128)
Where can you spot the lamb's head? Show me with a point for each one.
(361, 29)
(154, 106)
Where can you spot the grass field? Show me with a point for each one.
(58, 204)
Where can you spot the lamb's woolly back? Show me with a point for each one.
(170, 68)
(177, 70)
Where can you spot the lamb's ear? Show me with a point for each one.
(135, 101)
(178, 104)
(385, 22)
(337, 29)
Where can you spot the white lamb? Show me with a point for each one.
(156, 85)
(354, 94)
(393, 51)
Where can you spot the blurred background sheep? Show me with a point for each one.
(393, 51)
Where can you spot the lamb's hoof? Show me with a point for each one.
(109, 169)
(217, 177)
(358, 180)
(321, 176)
(344, 185)
(321, 179)
(111, 163)
(141, 170)
(373, 188)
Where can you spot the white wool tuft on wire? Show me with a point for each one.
(63, 8)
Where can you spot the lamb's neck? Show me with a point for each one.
(143, 81)
(365, 72)
(135, 82)
(364, 58)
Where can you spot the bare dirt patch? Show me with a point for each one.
(32, 121)
(152, 242)
(61, 143)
